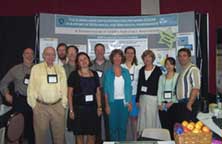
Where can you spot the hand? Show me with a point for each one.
(130, 107)
(169, 104)
(138, 105)
(107, 109)
(71, 115)
(189, 106)
(8, 98)
(99, 112)
(160, 107)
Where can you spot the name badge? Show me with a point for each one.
(132, 77)
(167, 95)
(52, 78)
(26, 79)
(88, 98)
(100, 73)
(144, 89)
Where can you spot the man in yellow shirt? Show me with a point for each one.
(47, 95)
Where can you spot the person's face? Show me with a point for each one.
(83, 61)
(49, 56)
(129, 55)
(169, 66)
(71, 54)
(28, 55)
(184, 58)
(62, 52)
(148, 60)
(99, 51)
(117, 59)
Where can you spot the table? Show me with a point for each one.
(137, 142)
(206, 118)
(141, 142)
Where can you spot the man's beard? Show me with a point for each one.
(62, 57)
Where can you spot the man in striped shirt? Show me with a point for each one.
(188, 87)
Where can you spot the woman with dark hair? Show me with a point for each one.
(117, 89)
(130, 63)
(84, 100)
(166, 94)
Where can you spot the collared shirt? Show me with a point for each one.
(188, 79)
(39, 88)
(16, 75)
(68, 69)
(101, 68)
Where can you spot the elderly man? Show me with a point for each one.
(47, 95)
(188, 87)
(19, 75)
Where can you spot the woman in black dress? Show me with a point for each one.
(84, 100)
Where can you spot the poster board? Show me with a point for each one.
(164, 34)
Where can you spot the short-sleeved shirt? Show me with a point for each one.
(188, 79)
(83, 86)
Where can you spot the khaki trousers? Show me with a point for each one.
(49, 118)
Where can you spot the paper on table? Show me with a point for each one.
(4, 109)
(108, 142)
(207, 120)
(165, 142)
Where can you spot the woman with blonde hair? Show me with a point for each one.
(146, 97)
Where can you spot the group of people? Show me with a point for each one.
(112, 100)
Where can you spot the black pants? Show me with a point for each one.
(106, 126)
(106, 122)
(167, 119)
(20, 105)
(182, 113)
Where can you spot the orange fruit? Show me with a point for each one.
(205, 129)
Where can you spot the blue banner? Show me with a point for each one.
(113, 22)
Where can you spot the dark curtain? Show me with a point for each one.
(16, 33)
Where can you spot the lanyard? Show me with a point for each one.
(24, 69)
(171, 83)
(47, 70)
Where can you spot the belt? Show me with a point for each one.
(185, 100)
(20, 95)
(45, 103)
